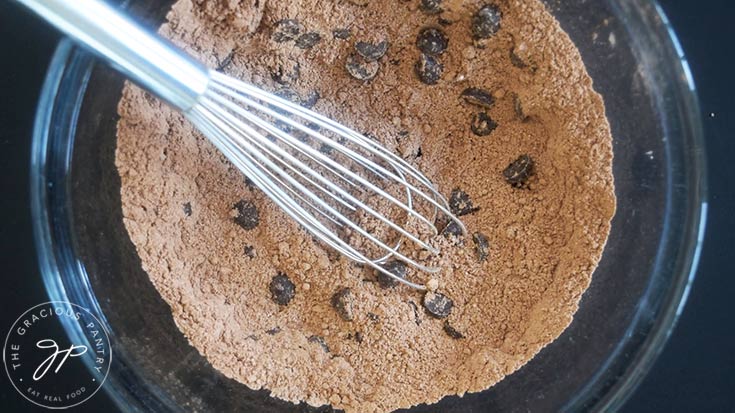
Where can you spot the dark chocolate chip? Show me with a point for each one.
(432, 41)
(395, 267)
(358, 68)
(310, 100)
(226, 61)
(308, 40)
(342, 303)
(428, 69)
(359, 337)
(482, 246)
(247, 215)
(373, 316)
(431, 6)
(325, 149)
(273, 331)
(319, 340)
(286, 29)
(479, 97)
(519, 171)
(451, 331)
(438, 305)
(249, 251)
(187, 209)
(341, 34)
(286, 74)
(460, 203)
(486, 22)
(288, 94)
(452, 229)
(371, 51)
(481, 124)
(282, 289)
(517, 61)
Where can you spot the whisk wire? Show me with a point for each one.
(261, 142)
(295, 142)
(239, 90)
(347, 151)
(302, 216)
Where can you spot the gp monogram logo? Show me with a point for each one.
(47, 367)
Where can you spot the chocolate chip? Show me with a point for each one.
(359, 337)
(286, 74)
(319, 340)
(371, 51)
(358, 68)
(486, 22)
(373, 316)
(431, 6)
(341, 34)
(395, 267)
(249, 251)
(308, 40)
(226, 61)
(437, 305)
(428, 69)
(187, 209)
(460, 203)
(342, 303)
(273, 331)
(286, 29)
(452, 229)
(518, 172)
(481, 124)
(282, 289)
(451, 331)
(482, 246)
(479, 97)
(247, 215)
(288, 94)
(310, 100)
(325, 149)
(517, 61)
(432, 41)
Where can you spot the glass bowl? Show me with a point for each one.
(624, 318)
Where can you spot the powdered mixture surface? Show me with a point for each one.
(487, 86)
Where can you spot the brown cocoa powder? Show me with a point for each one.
(541, 241)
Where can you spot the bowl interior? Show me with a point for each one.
(623, 318)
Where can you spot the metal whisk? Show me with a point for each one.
(346, 189)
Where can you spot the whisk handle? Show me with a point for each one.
(140, 55)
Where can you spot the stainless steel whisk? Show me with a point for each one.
(324, 175)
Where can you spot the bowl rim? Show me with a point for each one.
(609, 388)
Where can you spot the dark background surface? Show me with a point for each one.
(696, 370)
